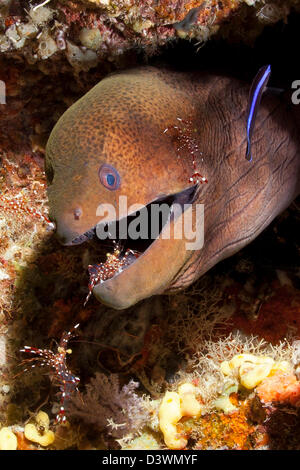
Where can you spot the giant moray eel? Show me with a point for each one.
(131, 121)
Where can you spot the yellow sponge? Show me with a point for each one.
(8, 440)
(39, 432)
(173, 407)
(251, 370)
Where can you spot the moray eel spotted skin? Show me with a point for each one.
(122, 122)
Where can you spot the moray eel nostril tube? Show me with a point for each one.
(158, 135)
(77, 213)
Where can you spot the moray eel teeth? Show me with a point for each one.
(84, 237)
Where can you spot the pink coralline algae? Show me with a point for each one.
(280, 388)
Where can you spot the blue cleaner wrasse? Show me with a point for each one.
(258, 86)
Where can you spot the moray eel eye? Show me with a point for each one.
(109, 177)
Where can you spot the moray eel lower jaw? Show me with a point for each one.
(151, 273)
(159, 260)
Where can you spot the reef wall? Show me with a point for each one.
(51, 53)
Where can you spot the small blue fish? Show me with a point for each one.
(258, 86)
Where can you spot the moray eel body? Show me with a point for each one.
(157, 128)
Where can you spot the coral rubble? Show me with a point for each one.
(83, 34)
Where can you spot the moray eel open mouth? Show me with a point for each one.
(128, 250)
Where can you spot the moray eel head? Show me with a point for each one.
(115, 143)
